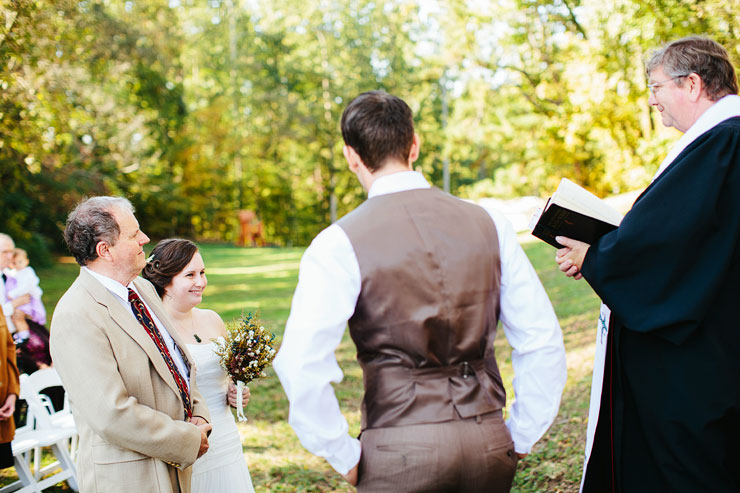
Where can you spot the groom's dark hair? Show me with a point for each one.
(378, 126)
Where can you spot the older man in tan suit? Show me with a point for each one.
(129, 378)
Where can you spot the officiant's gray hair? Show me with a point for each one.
(92, 221)
(702, 56)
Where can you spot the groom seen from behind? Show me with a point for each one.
(423, 279)
(126, 371)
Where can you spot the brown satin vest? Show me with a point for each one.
(428, 308)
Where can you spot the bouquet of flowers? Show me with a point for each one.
(245, 353)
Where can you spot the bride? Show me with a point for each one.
(176, 269)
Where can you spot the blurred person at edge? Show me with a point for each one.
(9, 390)
(32, 337)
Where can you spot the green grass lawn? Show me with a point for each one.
(249, 279)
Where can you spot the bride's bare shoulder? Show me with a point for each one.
(211, 320)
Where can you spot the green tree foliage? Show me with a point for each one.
(195, 110)
(85, 110)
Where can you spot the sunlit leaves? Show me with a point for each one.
(195, 110)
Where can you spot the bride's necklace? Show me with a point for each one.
(192, 329)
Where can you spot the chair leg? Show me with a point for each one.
(61, 453)
(73, 447)
(37, 463)
(25, 476)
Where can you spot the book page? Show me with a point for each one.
(576, 198)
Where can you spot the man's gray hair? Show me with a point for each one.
(702, 56)
(6, 237)
(91, 222)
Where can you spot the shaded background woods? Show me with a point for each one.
(195, 109)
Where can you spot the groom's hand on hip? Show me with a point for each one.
(351, 476)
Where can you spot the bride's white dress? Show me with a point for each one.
(223, 468)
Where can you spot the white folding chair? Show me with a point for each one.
(33, 436)
(23, 445)
(41, 380)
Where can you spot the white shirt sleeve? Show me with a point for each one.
(7, 307)
(328, 287)
(533, 331)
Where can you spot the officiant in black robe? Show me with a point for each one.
(669, 419)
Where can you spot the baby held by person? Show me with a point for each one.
(22, 280)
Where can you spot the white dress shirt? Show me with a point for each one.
(329, 284)
(7, 306)
(120, 292)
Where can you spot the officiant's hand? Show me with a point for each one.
(570, 258)
(351, 476)
(232, 395)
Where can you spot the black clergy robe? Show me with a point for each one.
(670, 414)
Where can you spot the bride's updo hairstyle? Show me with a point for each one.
(168, 259)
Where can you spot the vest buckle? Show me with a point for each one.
(465, 370)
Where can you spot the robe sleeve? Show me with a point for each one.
(660, 270)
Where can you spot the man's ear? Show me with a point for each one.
(103, 250)
(414, 151)
(696, 87)
(353, 159)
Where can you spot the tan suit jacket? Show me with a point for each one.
(125, 402)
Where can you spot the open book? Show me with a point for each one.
(576, 213)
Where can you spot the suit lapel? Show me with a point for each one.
(127, 322)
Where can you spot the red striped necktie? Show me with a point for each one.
(145, 319)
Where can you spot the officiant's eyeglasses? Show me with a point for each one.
(657, 85)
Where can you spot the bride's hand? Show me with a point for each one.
(232, 395)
